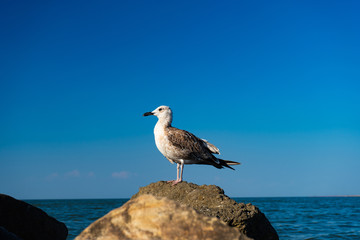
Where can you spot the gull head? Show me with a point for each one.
(162, 112)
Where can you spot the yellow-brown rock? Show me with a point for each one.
(211, 201)
(149, 217)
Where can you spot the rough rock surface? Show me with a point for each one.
(20, 220)
(149, 217)
(210, 200)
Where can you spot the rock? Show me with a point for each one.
(211, 201)
(20, 220)
(6, 235)
(149, 217)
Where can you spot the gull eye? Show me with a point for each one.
(160, 109)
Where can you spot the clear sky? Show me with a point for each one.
(274, 84)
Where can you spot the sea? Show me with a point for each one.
(292, 217)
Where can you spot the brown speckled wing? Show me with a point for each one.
(188, 146)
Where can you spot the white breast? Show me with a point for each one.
(160, 138)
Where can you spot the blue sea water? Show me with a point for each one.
(293, 217)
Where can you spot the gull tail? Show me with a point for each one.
(226, 163)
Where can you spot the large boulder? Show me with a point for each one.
(211, 201)
(149, 217)
(6, 235)
(20, 220)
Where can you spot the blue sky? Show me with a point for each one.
(275, 85)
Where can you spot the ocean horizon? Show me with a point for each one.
(110, 198)
(314, 217)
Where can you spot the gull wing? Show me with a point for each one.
(186, 145)
(211, 147)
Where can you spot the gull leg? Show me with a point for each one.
(177, 174)
(177, 171)
(182, 169)
(181, 172)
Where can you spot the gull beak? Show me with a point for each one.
(148, 114)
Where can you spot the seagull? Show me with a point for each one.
(182, 147)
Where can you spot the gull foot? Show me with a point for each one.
(174, 182)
